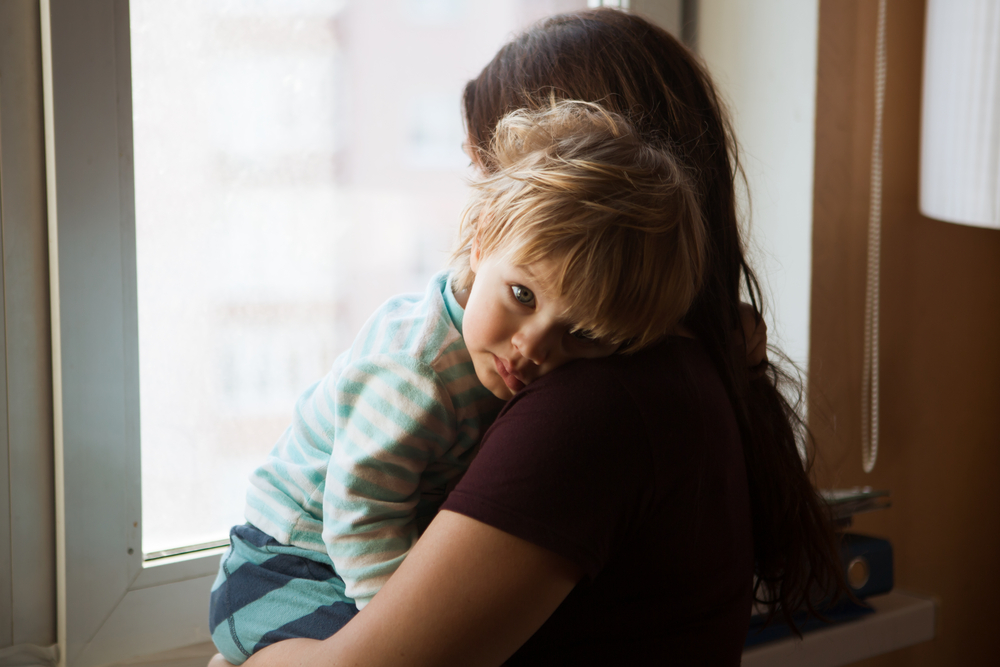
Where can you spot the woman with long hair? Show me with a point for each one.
(620, 509)
(634, 68)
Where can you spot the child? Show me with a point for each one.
(584, 241)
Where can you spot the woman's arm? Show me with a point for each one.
(467, 594)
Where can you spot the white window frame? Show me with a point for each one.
(110, 605)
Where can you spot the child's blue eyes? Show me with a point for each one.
(522, 294)
(526, 297)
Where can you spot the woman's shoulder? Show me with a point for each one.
(672, 387)
(674, 365)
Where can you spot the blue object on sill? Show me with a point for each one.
(867, 563)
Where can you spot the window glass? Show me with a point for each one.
(297, 162)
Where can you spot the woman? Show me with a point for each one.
(618, 508)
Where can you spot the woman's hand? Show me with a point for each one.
(467, 594)
(753, 335)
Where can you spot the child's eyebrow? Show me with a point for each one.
(531, 273)
(542, 278)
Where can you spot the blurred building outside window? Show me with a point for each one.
(297, 162)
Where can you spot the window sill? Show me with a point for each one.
(900, 620)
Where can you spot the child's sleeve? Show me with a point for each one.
(393, 415)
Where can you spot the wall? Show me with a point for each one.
(762, 55)
(940, 396)
(668, 14)
(27, 542)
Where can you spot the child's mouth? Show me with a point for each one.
(508, 378)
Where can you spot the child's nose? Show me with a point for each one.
(534, 344)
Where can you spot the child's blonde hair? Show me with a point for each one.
(575, 184)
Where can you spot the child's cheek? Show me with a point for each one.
(473, 325)
(470, 325)
(496, 325)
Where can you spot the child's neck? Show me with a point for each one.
(461, 295)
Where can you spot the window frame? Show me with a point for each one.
(111, 605)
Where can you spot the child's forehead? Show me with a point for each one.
(543, 273)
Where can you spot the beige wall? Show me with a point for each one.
(762, 56)
(940, 413)
(668, 14)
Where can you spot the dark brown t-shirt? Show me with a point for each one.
(632, 468)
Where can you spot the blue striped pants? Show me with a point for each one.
(267, 591)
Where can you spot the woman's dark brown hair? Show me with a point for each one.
(638, 70)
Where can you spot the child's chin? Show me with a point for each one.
(501, 392)
(497, 387)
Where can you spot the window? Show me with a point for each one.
(297, 162)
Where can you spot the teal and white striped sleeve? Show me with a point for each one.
(392, 416)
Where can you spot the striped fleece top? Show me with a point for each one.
(376, 444)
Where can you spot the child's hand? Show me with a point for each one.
(754, 335)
